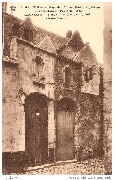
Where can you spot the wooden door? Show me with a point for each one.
(36, 130)
(65, 135)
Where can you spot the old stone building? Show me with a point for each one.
(52, 96)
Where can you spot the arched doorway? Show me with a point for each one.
(36, 129)
(65, 129)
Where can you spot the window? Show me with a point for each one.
(67, 77)
(28, 34)
(88, 74)
(38, 69)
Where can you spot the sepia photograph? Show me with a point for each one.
(57, 88)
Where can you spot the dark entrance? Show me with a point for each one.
(65, 130)
(36, 116)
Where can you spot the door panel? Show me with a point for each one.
(65, 135)
(36, 130)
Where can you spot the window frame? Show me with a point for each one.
(68, 78)
(38, 70)
(88, 75)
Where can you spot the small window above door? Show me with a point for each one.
(38, 70)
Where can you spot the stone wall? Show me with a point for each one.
(26, 55)
(89, 62)
(18, 81)
(88, 127)
(88, 130)
(13, 123)
(59, 77)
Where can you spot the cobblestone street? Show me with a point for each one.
(88, 167)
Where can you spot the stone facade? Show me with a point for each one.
(59, 72)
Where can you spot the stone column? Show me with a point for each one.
(107, 101)
(51, 131)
